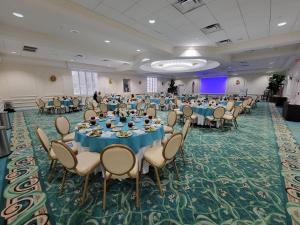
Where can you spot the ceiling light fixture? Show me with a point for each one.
(75, 31)
(145, 59)
(14, 52)
(281, 24)
(107, 41)
(19, 15)
(138, 50)
(151, 21)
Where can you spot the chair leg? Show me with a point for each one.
(137, 191)
(51, 170)
(176, 169)
(104, 194)
(63, 182)
(158, 180)
(86, 183)
(182, 154)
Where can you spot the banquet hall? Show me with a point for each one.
(159, 112)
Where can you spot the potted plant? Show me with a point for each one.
(275, 87)
(172, 88)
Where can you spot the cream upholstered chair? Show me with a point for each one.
(232, 117)
(217, 116)
(40, 104)
(62, 126)
(177, 110)
(171, 122)
(122, 106)
(119, 162)
(162, 103)
(184, 132)
(103, 107)
(75, 104)
(88, 114)
(139, 108)
(95, 106)
(58, 106)
(244, 104)
(43, 138)
(188, 113)
(248, 107)
(159, 156)
(230, 106)
(151, 111)
(82, 164)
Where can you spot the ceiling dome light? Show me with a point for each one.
(145, 59)
(281, 24)
(13, 52)
(75, 31)
(179, 65)
(18, 14)
(107, 41)
(138, 50)
(151, 21)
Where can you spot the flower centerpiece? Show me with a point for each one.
(123, 113)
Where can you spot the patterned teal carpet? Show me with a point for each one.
(230, 177)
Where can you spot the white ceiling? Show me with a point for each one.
(47, 24)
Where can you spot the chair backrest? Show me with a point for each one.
(62, 125)
(139, 105)
(86, 101)
(178, 102)
(99, 98)
(64, 154)
(88, 114)
(172, 116)
(75, 102)
(94, 104)
(236, 111)
(162, 101)
(172, 146)
(244, 103)
(230, 105)
(40, 103)
(43, 139)
(103, 107)
(185, 129)
(151, 111)
(56, 103)
(122, 106)
(187, 111)
(117, 159)
(219, 112)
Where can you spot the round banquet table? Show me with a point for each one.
(236, 103)
(138, 142)
(66, 102)
(112, 106)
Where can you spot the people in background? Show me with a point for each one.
(95, 96)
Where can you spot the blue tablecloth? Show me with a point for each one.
(66, 102)
(112, 106)
(203, 110)
(135, 142)
(155, 100)
(236, 103)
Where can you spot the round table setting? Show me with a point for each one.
(65, 102)
(134, 133)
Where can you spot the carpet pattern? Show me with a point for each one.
(290, 159)
(229, 177)
(25, 201)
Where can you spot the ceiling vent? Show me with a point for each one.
(105, 60)
(27, 48)
(211, 28)
(224, 42)
(185, 6)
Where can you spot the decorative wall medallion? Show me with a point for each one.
(52, 78)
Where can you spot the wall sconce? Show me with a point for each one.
(140, 82)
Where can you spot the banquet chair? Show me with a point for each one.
(75, 105)
(58, 106)
(232, 117)
(99, 98)
(88, 114)
(62, 126)
(41, 105)
(230, 106)
(169, 128)
(160, 156)
(162, 103)
(151, 111)
(248, 107)
(122, 106)
(177, 110)
(48, 108)
(139, 109)
(43, 138)
(95, 106)
(103, 107)
(188, 114)
(217, 116)
(82, 164)
(119, 162)
(184, 132)
(244, 105)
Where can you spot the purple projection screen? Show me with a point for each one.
(213, 85)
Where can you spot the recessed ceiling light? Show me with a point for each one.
(138, 50)
(107, 41)
(145, 59)
(13, 52)
(151, 21)
(72, 60)
(281, 24)
(271, 63)
(18, 14)
(75, 31)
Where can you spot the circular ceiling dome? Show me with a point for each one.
(179, 65)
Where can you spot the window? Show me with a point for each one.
(84, 83)
(151, 84)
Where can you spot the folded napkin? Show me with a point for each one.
(107, 134)
(138, 132)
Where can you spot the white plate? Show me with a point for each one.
(128, 132)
